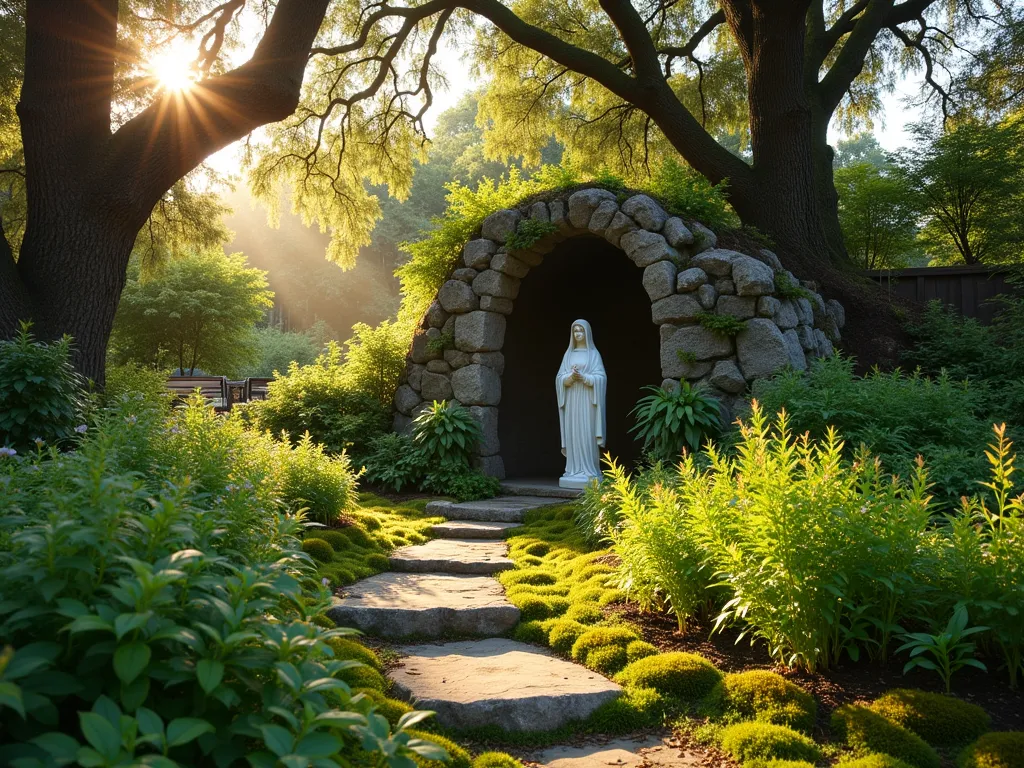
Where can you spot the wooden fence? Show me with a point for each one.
(965, 288)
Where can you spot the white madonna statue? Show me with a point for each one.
(580, 386)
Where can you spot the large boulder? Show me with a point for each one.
(761, 349)
(477, 253)
(415, 376)
(645, 212)
(682, 347)
(487, 418)
(768, 306)
(406, 399)
(707, 295)
(508, 264)
(752, 278)
(423, 350)
(645, 248)
(717, 261)
(660, 279)
(493, 283)
(457, 297)
(786, 317)
(675, 309)
(479, 331)
(539, 211)
(456, 358)
(583, 203)
(740, 307)
(703, 238)
(677, 233)
(727, 377)
(837, 312)
(691, 279)
(602, 216)
(492, 466)
(500, 225)
(617, 227)
(797, 359)
(494, 360)
(436, 317)
(477, 385)
(436, 386)
(496, 304)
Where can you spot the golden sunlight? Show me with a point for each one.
(174, 66)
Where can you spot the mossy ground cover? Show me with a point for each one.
(378, 527)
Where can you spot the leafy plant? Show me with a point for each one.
(787, 288)
(446, 432)
(394, 462)
(725, 325)
(686, 193)
(375, 359)
(686, 356)
(41, 395)
(668, 421)
(459, 481)
(445, 341)
(323, 485)
(948, 650)
(528, 233)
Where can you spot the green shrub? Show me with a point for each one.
(349, 650)
(449, 478)
(867, 731)
(898, 416)
(134, 381)
(394, 462)
(764, 741)
(364, 677)
(536, 578)
(686, 193)
(768, 697)
(375, 359)
(873, 761)
(318, 549)
(321, 399)
(334, 537)
(607, 659)
(165, 626)
(938, 719)
(781, 764)
(531, 632)
(496, 760)
(457, 756)
(41, 395)
(599, 637)
(528, 233)
(533, 608)
(668, 421)
(638, 649)
(446, 432)
(636, 708)
(994, 750)
(585, 613)
(324, 485)
(391, 709)
(723, 325)
(563, 635)
(685, 675)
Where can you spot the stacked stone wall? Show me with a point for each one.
(457, 352)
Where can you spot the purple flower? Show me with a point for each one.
(39, 442)
(325, 581)
(5, 451)
(81, 429)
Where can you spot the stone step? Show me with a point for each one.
(398, 605)
(516, 686)
(503, 509)
(636, 752)
(537, 486)
(453, 556)
(472, 529)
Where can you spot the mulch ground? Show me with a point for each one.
(846, 683)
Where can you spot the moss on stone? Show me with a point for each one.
(767, 697)
(866, 731)
(685, 675)
(753, 741)
(941, 720)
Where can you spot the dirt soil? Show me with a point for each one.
(848, 682)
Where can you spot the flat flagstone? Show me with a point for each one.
(619, 753)
(473, 529)
(453, 556)
(543, 487)
(499, 682)
(425, 604)
(503, 509)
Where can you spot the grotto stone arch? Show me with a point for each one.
(456, 354)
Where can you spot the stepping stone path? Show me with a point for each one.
(442, 589)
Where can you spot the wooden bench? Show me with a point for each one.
(213, 388)
(256, 389)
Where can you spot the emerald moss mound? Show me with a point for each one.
(635, 709)
(350, 650)
(607, 660)
(457, 756)
(390, 709)
(755, 741)
(866, 731)
(601, 637)
(873, 761)
(767, 697)
(780, 764)
(638, 649)
(938, 719)
(564, 633)
(531, 632)
(995, 750)
(318, 549)
(496, 760)
(684, 675)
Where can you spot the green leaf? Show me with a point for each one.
(149, 721)
(100, 734)
(182, 730)
(61, 747)
(130, 660)
(209, 672)
(318, 745)
(10, 697)
(127, 622)
(278, 740)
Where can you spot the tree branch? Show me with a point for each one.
(687, 50)
(917, 44)
(850, 61)
(637, 38)
(175, 133)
